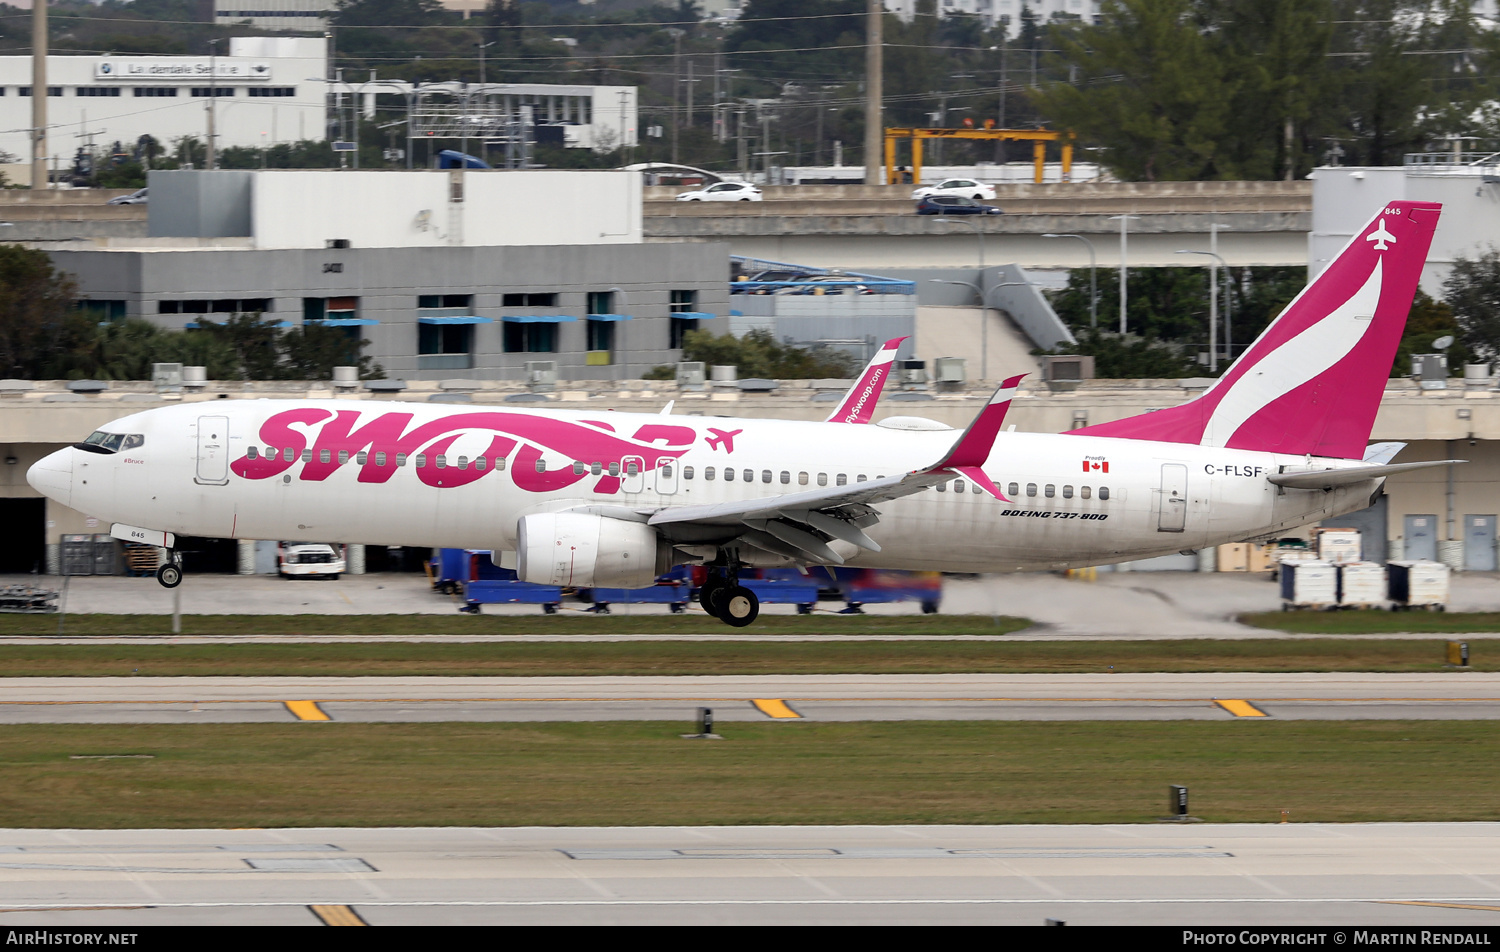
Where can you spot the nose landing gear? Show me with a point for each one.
(169, 574)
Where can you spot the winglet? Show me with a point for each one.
(973, 447)
(858, 405)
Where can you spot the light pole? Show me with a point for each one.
(1093, 279)
(1213, 305)
(482, 48)
(211, 157)
(1124, 258)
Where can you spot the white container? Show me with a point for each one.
(1361, 583)
(1418, 584)
(1338, 545)
(1309, 584)
(723, 373)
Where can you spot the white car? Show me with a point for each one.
(967, 188)
(311, 560)
(723, 192)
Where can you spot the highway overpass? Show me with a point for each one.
(875, 228)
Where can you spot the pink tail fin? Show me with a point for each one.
(1311, 383)
(858, 405)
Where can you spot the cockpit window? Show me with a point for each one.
(101, 442)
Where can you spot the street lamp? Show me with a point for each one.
(1093, 279)
(356, 91)
(1213, 304)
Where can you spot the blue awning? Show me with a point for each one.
(454, 319)
(343, 321)
(610, 317)
(693, 315)
(736, 313)
(537, 318)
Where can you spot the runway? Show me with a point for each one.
(1242, 875)
(1455, 695)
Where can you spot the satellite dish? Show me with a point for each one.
(1442, 343)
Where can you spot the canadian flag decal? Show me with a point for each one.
(1096, 465)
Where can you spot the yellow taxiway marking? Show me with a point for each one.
(1241, 708)
(306, 711)
(774, 707)
(338, 915)
(1441, 905)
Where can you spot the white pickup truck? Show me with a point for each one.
(311, 560)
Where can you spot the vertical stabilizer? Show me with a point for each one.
(858, 405)
(1311, 383)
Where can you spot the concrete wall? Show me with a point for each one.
(1345, 199)
(957, 332)
(200, 204)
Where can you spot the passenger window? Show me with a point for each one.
(463, 462)
(1031, 489)
(801, 479)
(666, 470)
(822, 479)
(1103, 492)
(325, 456)
(541, 466)
(343, 457)
(842, 480)
(862, 478)
(687, 472)
(765, 475)
(614, 468)
(253, 452)
(1084, 491)
(728, 474)
(1049, 491)
(578, 468)
(400, 459)
(307, 456)
(786, 478)
(974, 488)
(749, 475)
(362, 458)
(499, 462)
(1067, 492)
(442, 461)
(958, 485)
(942, 487)
(597, 469)
(421, 460)
(631, 469)
(271, 452)
(1015, 489)
(288, 454)
(481, 463)
(708, 473)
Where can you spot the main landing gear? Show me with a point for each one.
(723, 597)
(169, 574)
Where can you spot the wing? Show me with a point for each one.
(858, 404)
(800, 525)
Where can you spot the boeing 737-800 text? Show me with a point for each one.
(586, 498)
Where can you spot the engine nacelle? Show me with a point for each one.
(577, 550)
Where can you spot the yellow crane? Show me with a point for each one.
(1038, 137)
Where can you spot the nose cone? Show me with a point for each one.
(52, 476)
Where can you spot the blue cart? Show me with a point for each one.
(673, 590)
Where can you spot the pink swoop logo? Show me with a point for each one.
(339, 435)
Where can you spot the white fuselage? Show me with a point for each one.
(1073, 500)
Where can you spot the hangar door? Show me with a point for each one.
(25, 548)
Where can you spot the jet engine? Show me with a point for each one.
(573, 549)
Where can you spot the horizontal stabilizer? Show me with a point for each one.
(1333, 478)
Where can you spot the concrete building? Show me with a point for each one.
(301, 16)
(1007, 12)
(264, 90)
(446, 274)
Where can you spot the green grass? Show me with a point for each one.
(657, 622)
(1375, 623)
(731, 657)
(635, 773)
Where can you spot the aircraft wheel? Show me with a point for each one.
(169, 575)
(708, 595)
(738, 606)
